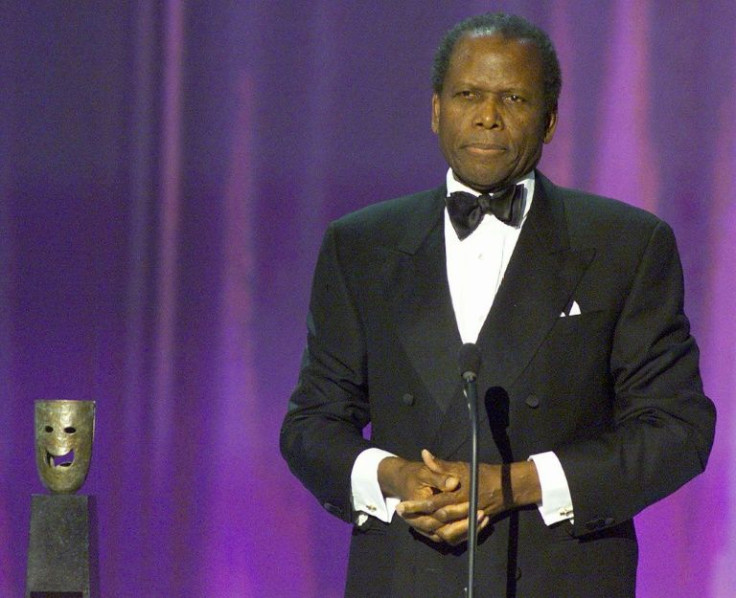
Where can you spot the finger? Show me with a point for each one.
(415, 507)
(454, 533)
(424, 525)
(442, 482)
(452, 512)
(419, 519)
(427, 457)
(431, 461)
(427, 505)
(457, 532)
(448, 481)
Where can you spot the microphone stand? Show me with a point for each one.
(471, 393)
(469, 359)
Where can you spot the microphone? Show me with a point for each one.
(469, 360)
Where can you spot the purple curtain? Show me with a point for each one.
(166, 173)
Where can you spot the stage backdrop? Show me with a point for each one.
(166, 172)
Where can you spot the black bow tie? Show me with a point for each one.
(467, 210)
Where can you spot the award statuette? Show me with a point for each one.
(64, 434)
(60, 554)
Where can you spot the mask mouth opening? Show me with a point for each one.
(60, 461)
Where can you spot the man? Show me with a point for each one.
(594, 404)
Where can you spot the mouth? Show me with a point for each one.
(60, 461)
(485, 148)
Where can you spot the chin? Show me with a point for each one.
(482, 179)
(485, 185)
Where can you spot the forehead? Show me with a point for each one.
(495, 57)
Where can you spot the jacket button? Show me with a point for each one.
(600, 523)
(333, 509)
(594, 524)
(408, 399)
(532, 401)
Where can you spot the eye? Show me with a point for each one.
(48, 429)
(513, 98)
(466, 94)
(70, 430)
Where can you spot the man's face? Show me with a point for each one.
(490, 117)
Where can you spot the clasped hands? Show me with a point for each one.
(435, 494)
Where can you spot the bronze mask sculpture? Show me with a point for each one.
(64, 433)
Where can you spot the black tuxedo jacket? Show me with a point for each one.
(615, 391)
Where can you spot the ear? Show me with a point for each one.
(549, 130)
(435, 113)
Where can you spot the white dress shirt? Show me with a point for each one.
(475, 268)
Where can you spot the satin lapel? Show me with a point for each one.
(421, 297)
(539, 283)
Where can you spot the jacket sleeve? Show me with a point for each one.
(663, 424)
(321, 435)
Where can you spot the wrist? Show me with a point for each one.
(389, 476)
(525, 486)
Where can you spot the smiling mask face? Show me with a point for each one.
(64, 433)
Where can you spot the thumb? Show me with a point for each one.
(431, 461)
(447, 481)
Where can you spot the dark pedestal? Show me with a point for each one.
(62, 559)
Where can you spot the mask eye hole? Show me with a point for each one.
(70, 430)
(48, 429)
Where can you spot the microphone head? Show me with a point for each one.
(469, 361)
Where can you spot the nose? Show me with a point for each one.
(489, 114)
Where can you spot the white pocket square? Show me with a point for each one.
(574, 310)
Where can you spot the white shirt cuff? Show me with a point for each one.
(556, 502)
(366, 492)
